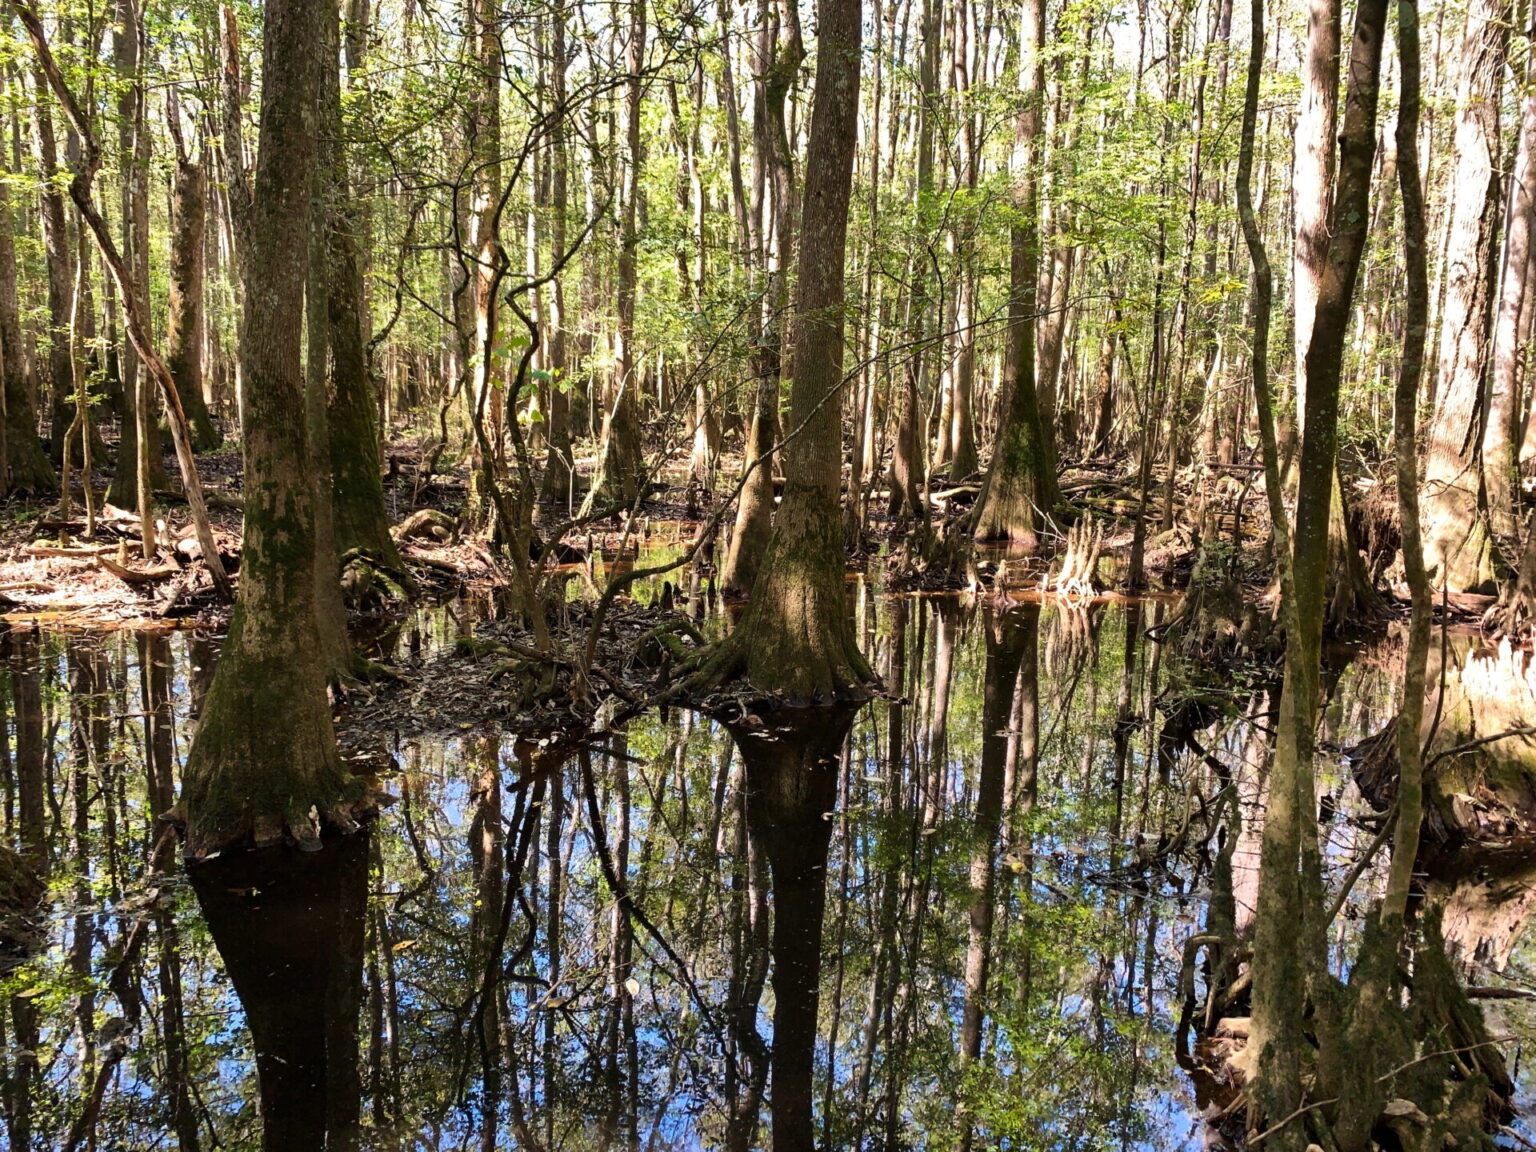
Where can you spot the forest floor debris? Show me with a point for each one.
(493, 675)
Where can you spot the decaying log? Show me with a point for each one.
(55, 552)
(427, 524)
(440, 563)
(137, 575)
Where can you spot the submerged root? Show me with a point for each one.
(739, 673)
(672, 642)
(264, 768)
(933, 557)
(366, 671)
(269, 827)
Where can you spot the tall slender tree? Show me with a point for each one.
(1289, 946)
(1457, 544)
(796, 638)
(771, 218)
(622, 462)
(1020, 490)
(26, 461)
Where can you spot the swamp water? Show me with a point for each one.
(605, 950)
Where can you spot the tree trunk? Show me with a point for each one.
(1020, 489)
(773, 214)
(1410, 794)
(962, 420)
(264, 766)
(25, 458)
(796, 637)
(184, 325)
(140, 450)
(1312, 168)
(330, 610)
(559, 468)
(620, 467)
(1457, 547)
(1501, 467)
(356, 492)
(1289, 945)
(61, 277)
(909, 471)
(1350, 594)
(87, 163)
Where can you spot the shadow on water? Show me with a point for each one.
(955, 918)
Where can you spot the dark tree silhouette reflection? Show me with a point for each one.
(289, 928)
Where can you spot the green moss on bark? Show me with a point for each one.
(795, 641)
(264, 768)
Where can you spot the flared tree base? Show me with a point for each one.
(264, 769)
(795, 642)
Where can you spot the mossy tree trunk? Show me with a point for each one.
(1020, 488)
(796, 639)
(361, 522)
(330, 610)
(264, 765)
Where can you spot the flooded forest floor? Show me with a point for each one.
(574, 922)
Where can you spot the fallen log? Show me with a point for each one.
(55, 552)
(440, 563)
(137, 575)
(427, 524)
(212, 497)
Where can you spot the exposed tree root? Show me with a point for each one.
(1078, 573)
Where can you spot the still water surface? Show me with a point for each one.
(1014, 849)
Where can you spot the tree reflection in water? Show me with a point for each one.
(957, 916)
